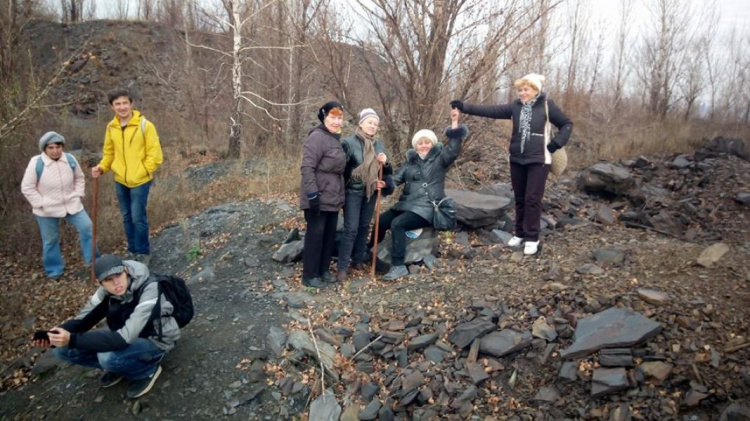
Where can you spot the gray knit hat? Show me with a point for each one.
(50, 137)
(108, 265)
(367, 113)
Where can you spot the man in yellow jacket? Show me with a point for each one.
(133, 152)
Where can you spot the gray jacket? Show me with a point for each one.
(353, 148)
(127, 320)
(323, 162)
(424, 179)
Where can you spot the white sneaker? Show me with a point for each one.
(515, 241)
(530, 248)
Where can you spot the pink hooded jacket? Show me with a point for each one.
(59, 191)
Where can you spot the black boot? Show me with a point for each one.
(313, 282)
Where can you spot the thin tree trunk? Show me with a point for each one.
(235, 132)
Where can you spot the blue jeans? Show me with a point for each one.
(50, 231)
(138, 361)
(358, 213)
(133, 202)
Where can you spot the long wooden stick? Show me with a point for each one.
(377, 226)
(94, 211)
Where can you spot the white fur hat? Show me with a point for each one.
(533, 79)
(426, 134)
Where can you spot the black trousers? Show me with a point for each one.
(320, 241)
(528, 189)
(398, 222)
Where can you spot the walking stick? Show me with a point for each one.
(377, 226)
(94, 210)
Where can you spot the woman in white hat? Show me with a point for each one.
(423, 177)
(364, 155)
(530, 151)
(54, 185)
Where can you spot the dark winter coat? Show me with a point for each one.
(323, 162)
(354, 150)
(535, 150)
(424, 179)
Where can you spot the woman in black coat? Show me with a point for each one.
(364, 156)
(530, 151)
(423, 176)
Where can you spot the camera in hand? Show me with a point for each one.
(41, 335)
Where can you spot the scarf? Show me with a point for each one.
(525, 122)
(367, 172)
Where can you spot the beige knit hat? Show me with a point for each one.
(533, 79)
(426, 134)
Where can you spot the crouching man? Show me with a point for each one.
(135, 340)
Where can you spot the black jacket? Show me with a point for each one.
(424, 179)
(535, 150)
(353, 148)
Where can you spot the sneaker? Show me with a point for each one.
(328, 277)
(530, 248)
(313, 282)
(110, 379)
(395, 273)
(139, 388)
(143, 258)
(341, 275)
(515, 241)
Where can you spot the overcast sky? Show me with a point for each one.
(734, 12)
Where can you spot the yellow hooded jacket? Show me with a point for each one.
(132, 154)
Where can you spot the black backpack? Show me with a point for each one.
(177, 293)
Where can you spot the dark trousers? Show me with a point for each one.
(320, 241)
(357, 216)
(528, 189)
(399, 222)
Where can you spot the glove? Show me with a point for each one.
(552, 147)
(456, 103)
(315, 205)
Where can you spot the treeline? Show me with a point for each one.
(667, 64)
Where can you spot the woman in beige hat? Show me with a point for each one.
(530, 151)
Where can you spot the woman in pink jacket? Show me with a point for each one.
(54, 185)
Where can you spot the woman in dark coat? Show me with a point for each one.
(423, 176)
(364, 155)
(322, 193)
(530, 151)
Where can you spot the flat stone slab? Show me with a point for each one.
(300, 340)
(611, 328)
(712, 254)
(548, 394)
(325, 407)
(465, 333)
(478, 210)
(608, 380)
(504, 342)
(656, 370)
(653, 297)
(541, 329)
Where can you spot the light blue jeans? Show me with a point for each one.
(138, 361)
(133, 203)
(50, 230)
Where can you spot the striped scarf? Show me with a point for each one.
(525, 122)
